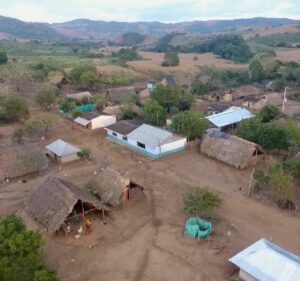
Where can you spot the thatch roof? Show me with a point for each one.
(53, 200)
(118, 110)
(79, 96)
(229, 149)
(20, 160)
(244, 91)
(109, 185)
(118, 94)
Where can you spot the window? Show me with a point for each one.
(114, 134)
(125, 138)
(139, 144)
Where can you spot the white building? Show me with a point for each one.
(62, 152)
(94, 120)
(146, 139)
(265, 261)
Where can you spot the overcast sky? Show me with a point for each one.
(147, 10)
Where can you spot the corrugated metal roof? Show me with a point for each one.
(124, 127)
(81, 121)
(62, 148)
(268, 262)
(229, 117)
(151, 136)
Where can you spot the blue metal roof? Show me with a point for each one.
(229, 117)
(266, 261)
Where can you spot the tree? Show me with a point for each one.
(269, 113)
(154, 113)
(41, 122)
(281, 184)
(13, 107)
(20, 258)
(190, 124)
(170, 59)
(3, 58)
(101, 101)
(88, 79)
(45, 98)
(76, 112)
(201, 202)
(250, 129)
(67, 105)
(17, 136)
(76, 72)
(17, 74)
(256, 71)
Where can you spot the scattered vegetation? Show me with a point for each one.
(40, 123)
(170, 59)
(84, 153)
(45, 98)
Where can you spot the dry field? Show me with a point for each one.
(288, 55)
(152, 63)
(114, 69)
(145, 240)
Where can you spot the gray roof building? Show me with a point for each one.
(62, 148)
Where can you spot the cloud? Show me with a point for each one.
(139, 10)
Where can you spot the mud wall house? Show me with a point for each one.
(244, 91)
(110, 187)
(54, 202)
(255, 103)
(264, 260)
(94, 120)
(230, 149)
(117, 95)
(21, 160)
(229, 118)
(215, 108)
(146, 139)
(79, 96)
(62, 152)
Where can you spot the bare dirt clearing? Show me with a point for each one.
(152, 63)
(288, 55)
(145, 240)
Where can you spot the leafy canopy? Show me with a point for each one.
(155, 114)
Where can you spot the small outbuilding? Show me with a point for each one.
(21, 160)
(55, 202)
(62, 152)
(265, 261)
(112, 188)
(229, 149)
(146, 139)
(95, 120)
(229, 118)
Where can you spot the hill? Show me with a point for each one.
(94, 30)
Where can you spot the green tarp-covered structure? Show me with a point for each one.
(197, 228)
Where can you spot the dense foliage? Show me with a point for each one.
(3, 58)
(132, 38)
(13, 107)
(170, 59)
(154, 113)
(190, 124)
(269, 113)
(84, 75)
(286, 39)
(126, 54)
(20, 258)
(201, 202)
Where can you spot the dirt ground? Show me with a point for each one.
(152, 63)
(145, 239)
(288, 55)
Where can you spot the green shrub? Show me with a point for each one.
(84, 153)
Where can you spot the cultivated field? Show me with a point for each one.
(288, 55)
(152, 63)
(145, 240)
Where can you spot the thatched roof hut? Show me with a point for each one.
(118, 94)
(229, 149)
(20, 160)
(53, 201)
(109, 186)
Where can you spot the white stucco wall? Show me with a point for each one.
(103, 121)
(173, 146)
(68, 158)
(246, 277)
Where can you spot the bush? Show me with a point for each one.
(75, 112)
(292, 166)
(17, 136)
(269, 113)
(3, 58)
(84, 153)
(45, 98)
(201, 202)
(170, 59)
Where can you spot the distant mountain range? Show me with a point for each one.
(90, 29)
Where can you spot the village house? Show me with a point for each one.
(217, 107)
(112, 188)
(144, 96)
(151, 84)
(94, 120)
(79, 96)
(180, 81)
(266, 261)
(229, 118)
(255, 103)
(146, 139)
(62, 152)
(240, 93)
(117, 95)
(57, 78)
(21, 160)
(56, 202)
(230, 149)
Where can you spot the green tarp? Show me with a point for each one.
(197, 228)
